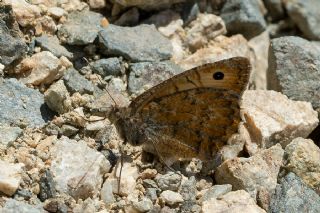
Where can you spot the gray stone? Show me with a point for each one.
(47, 186)
(81, 28)
(68, 130)
(144, 205)
(216, 191)
(77, 83)
(21, 106)
(52, 44)
(145, 75)
(107, 193)
(275, 9)
(108, 66)
(12, 45)
(171, 198)
(294, 69)
(140, 43)
(129, 18)
(306, 15)
(243, 16)
(148, 5)
(14, 206)
(9, 134)
(189, 190)
(292, 195)
(151, 193)
(169, 181)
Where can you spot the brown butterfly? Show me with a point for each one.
(192, 114)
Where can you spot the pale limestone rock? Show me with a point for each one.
(260, 46)
(41, 68)
(25, 13)
(107, 193)
(97, 4)
(77, 169)
(252, 174)
(10, 177)
(171, 198)
(232, 202)
(303, 159)
(56, 12)
(1, 68)
(270, 117)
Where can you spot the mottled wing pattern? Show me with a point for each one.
(192, 114)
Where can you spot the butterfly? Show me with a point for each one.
(190, 115)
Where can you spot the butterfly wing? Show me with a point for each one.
(194, 113)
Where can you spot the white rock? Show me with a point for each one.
(252, 174)
(171, 198)
(77, 169)
(56, 12)
(271, 117)
(9, 134)
(10, 177)
(1, 68)
(144, 205)
(14, 206)
(97, 4)
(107, 193)
(232, 202)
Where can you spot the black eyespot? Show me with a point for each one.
(218, 75)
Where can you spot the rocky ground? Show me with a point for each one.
(59, 152)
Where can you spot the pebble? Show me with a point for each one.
(12, 206)
(10, 177)
(215, 192)
(81, 28)
(21, 106)
(169, 181)
(80, 177)
(97, 4)
(108, 66)
(151, 193)
(235, 201)
(145, 75)
(55, 205)
(75, 82)
(68, 130)
(171, 198)
(292, 195)
(243, 16)
(47, 186)
(303, 159)
(8, 134)
(294, 69)
(145, 205)
(148, 5)
(106, 193)
(126, 42)
(129, 18)
(52, 44)
(275, 118)
(252, 174)
(56, 12)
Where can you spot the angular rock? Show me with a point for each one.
(236, 201)
(145, 75)
(252, 174)
(271, 117)
(97, 4)
(306, 16)
(216, 191)
(12, 45)
(52, 44)
(294, 69)
(12, 206)
(81, 28)
(21, 106)
(8, 134)
(169, 181)
(77, 169)
(145, 205)
(57, 98)
(243, 16)
(292, 195)
(10, 177)
(47, 186)
(108, 66)
(56, 12)
(171, 198)
(75, 82)
(129, 18)
(275, 9)
(303, 159)
(40, 68)
(162, 18)
(136, 44)
(148, 5)
(107, 193)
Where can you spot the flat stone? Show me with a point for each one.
(294, 69)
(171, 198)
(12, 206)
(56, 12)
(216, 191)
(12, 44)
(10, 177)
(270, 117)
(243, 16)
(169, 181)
(303, 159)
(108, 66)
(145, 75)
(77, 169)
(8, 134)
(81, 28)
(292, 195)
(136, 44)
(52, 44)
(75, 82)
(236, 201)
(21, 106)
(252, 174)
(306, 16)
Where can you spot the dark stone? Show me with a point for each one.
(294, 69)
(292, 195)
(244, 17)
(275, 9)
(25, 193)
(129, 18)
(77, 83)
(188, 191)
(55, 205)
(151, 74)
(81, 28)
(140, 43)
(22, 106)
(47, 186)
(68, 130)
(52, 44)
(108, 66)
(12, 45)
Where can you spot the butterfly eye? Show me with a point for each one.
(218, 75)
